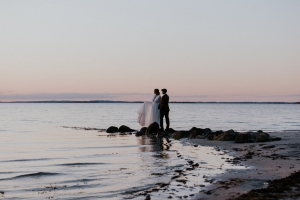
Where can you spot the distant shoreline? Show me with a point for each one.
(182, 102)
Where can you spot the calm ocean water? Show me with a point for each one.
(40, 159)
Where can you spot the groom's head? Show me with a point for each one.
(164, 91)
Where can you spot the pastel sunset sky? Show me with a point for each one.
(122, 50)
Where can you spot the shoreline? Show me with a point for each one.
(264, 162)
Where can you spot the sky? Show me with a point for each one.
(217, 50)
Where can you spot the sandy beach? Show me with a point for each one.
(264, 162)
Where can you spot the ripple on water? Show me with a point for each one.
(80, 164)
(33, 175)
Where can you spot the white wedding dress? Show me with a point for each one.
(149, 112)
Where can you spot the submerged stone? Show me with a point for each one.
(153, 128)
(263, 137)
(112, 129)
(124, 128)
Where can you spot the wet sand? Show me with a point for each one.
(263, 161)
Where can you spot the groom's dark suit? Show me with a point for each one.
(164, 111)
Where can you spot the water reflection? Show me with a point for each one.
(150, 143)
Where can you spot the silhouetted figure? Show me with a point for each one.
(164, 110)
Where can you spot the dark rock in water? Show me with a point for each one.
(195, 133)
(210, 136)
(124, 128)
(263, 137)
(177, 135)
(243, 138)
(180, 134)
(275, 138)
(153, 128)
(139, 134)
(143, 130)
(213, 135)
(217, 133)
(170, 130)
(206, 132)
(227, 136)
(112, 129)
(148, 197)
(196, 129)
(254, 134)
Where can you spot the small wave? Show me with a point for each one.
(33, 175)
(78, 180)
(80, 164)
(27, 160)
(7, 172)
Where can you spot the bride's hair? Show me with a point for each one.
(156, 91)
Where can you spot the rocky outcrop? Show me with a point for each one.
(226, 136)
(199, 133)
(153, 128)
(195, 134)
(138, 134)
(263, 137)
(210, 136)
(275, 138)
(112, 129)
(124, 129)
(180, 134)
(230, 135)
(217, 134)
(143, 130)
(170, 130)
(244, 137)
(177, 135)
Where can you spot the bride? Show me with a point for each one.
(149, 111)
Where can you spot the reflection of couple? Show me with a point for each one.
(156, 110)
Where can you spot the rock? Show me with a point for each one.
(170, 130)
(112, 129)
(207, 131)
(177, 135)
(226, 136)
(138, 134)
(210, 136)
(180, 134)
(195, 133)
(243, 138)
(148, 197)
(275, 138)
(196, 129)
(124, 128)
(143, 130)
(263, 137)
(153, 128)
(217, 133)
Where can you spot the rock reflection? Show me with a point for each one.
(151, 143)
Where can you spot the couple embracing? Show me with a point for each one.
(156, 110)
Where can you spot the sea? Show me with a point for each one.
(61, 150)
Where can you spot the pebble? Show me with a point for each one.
(148, 197)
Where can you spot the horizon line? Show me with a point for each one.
(116, 101)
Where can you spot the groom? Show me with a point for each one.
(164, 110)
